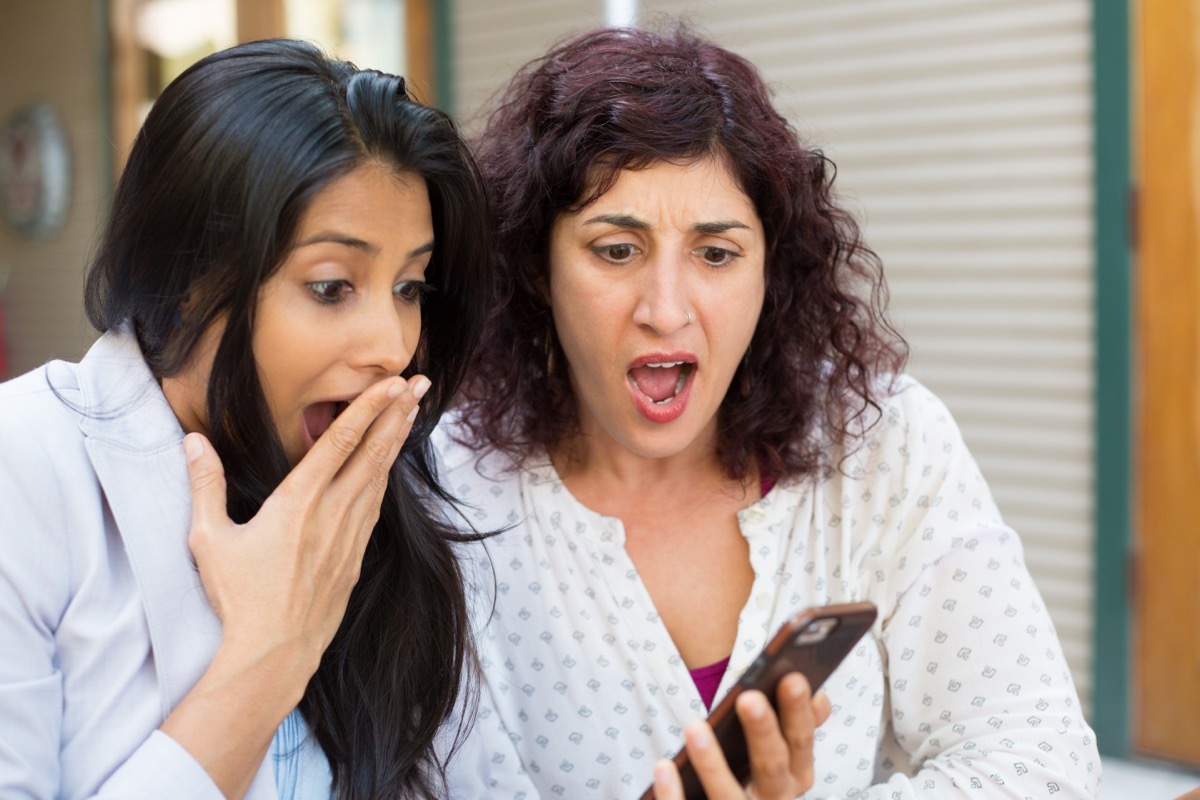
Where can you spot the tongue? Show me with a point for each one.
(657, 383)
(317, 419)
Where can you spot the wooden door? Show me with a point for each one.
(1166, 696)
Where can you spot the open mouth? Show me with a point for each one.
(661, 381)
(319, 416)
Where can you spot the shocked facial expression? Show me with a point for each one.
(344, 309)
(656, 289)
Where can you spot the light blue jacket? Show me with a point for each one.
(104, 626)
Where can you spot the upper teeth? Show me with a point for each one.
(665, 364)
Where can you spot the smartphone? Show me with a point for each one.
(813, 643)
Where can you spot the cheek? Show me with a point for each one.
(567, 309)
(411, 326)
(740, 316)
(275, 353)
(582, 329)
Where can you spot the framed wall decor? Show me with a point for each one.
(35, 171)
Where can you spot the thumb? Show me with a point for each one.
(206, 476)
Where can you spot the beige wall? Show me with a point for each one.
(49, 52)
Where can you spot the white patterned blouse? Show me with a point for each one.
(960, 690)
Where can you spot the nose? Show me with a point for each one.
(663, 303)
(387, 335)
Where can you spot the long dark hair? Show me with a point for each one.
(615, 99)
(217, 181)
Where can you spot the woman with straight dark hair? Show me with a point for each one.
(689, 413)
(295, 256)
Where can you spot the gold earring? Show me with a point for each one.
(548, 350)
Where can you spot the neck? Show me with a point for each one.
(187, 397)
(611, 479)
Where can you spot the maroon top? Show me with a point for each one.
(707, 679)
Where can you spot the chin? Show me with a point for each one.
(664, 444)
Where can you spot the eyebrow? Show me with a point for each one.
(629, 221)
(620, 220)
(359, 244)
(719, 227)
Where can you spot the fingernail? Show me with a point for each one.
(413, 414)
(192, 448)
(421, 388)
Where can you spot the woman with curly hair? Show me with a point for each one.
(690, 414)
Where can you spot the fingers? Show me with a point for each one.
(387, 433)
(667, 785)
(770, 757)
(376, 465)
(801, 715)
(822, 708)
(780, 747)
(354, 436)
(709, 762)
(366, 473)
(206, 476)
(364, 477)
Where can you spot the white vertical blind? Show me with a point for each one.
(962, 134)
(491, 40)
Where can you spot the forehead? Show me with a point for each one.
(370, 187)
(703, 189)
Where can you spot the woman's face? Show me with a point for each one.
(341, 313)
(344, 309)
(656, 289)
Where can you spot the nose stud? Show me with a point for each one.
(687, 319)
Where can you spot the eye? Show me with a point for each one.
(330, 292)
(412, 292)
(717, 256)
(616, 253)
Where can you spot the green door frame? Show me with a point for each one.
(1114, 334)
(443, 56)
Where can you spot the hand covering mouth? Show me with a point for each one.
(319, 416)
(661, 381)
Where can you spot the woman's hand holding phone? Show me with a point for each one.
(780, 747)
(748, 742)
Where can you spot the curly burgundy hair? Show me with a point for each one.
(616, 99)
